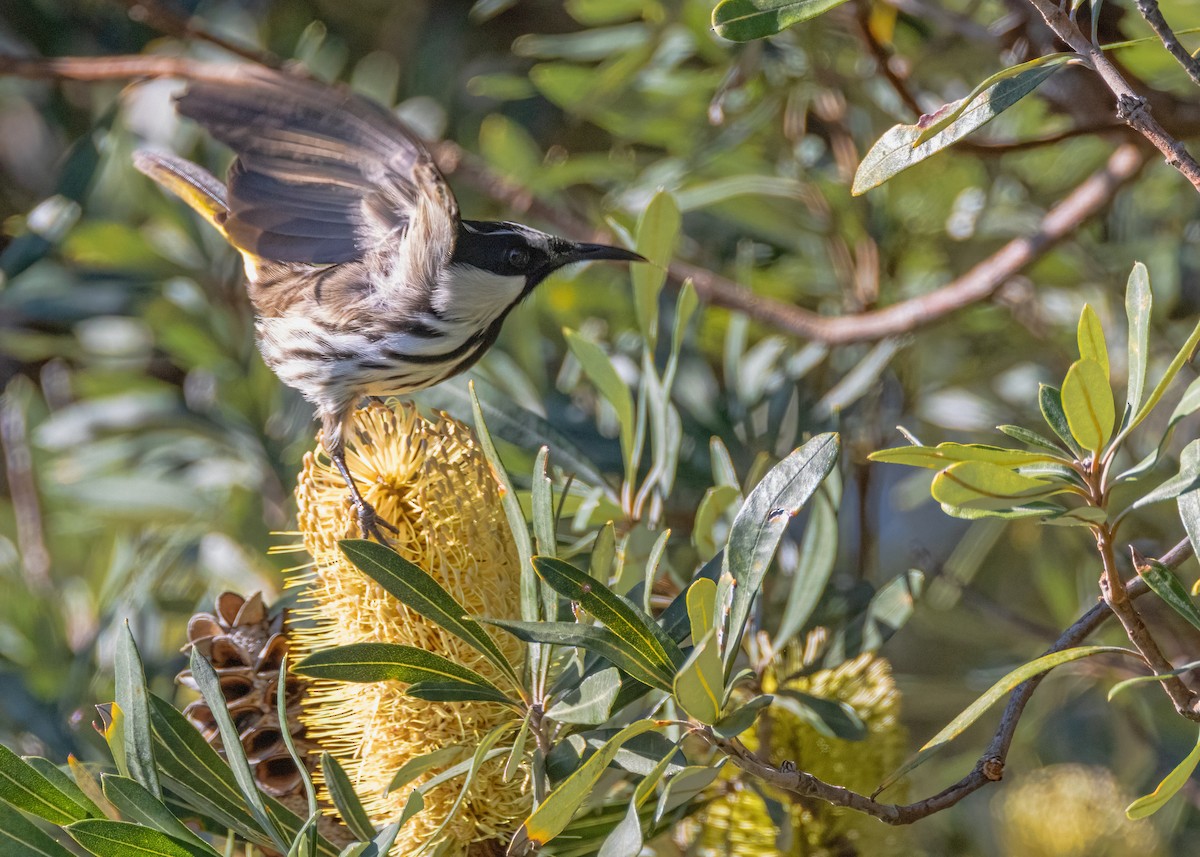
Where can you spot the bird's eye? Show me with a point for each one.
(517, 257)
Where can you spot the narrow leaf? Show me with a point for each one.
(553, 814)
(1138, 302)
(699, 686)
(599, 368)
(27, 790)
(619, 615)
(894, 152)
(828, 717)
(990, 697)
(1050, 400)
(1186, 480)
(740, 719)
(1171, 784)
(981, 485)
(137, 804)
(370, 662)
(1183, 356)
(760, 524)
(747, 20)
(20, 837)
(132, 698)
(456, 691)
(118, 839)
(349, 807)
(945, 454)
(542, 501)
(657, 235)
(818, 553)
(1166, 586)
(419, 765)
(1031, 438)
(416, 589)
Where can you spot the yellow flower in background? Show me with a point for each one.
(739, 824)
(1070, 811)
(431, 480)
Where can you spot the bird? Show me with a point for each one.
(364, 278)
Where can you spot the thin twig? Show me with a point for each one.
(1131, 107)
(988, 769)
(170, 22)
(1154, 17)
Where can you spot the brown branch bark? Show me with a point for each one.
(1154, 17)
(988, 769)
(1131, 107)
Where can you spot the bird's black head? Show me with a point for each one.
(513, 250)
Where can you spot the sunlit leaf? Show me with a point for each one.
(26, 789)
(746, 20)
(1089, 335)
(1087, 401)
(1167, 789)
(760, 523)
(987, 486)
(937, 457)
(699, 685)
(599, 368)
(1138, 302)
(894, 152)
(657, 235)
(552, 816)
(371, 662)
(132, 698)
(1166, 586)
(137, 804)
(106, 838)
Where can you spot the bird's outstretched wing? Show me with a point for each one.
(325, 176)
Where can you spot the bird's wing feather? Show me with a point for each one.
(325, 176)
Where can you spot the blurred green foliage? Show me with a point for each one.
(150, 455)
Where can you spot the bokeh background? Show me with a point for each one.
(150, 457)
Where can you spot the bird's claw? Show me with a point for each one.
(370, 523)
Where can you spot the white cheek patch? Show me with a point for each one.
(469, 294)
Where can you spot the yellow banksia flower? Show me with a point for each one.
(430, 479)
(738, 824)
(1087, 818)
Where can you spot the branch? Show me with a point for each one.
(1131, 107)
(156, 16)
(977, 284)
(989, 768)
(1154, 17)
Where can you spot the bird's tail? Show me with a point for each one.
(195, 185)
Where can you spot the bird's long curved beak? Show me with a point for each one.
(595, 252)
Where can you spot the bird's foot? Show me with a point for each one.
(370, 523)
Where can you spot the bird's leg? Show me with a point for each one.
(368, 521)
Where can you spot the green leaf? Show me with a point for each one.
(639, 663)
(137, 804)
(63, 781)
(687, 784)
(760, 524)
(747, 20)
(991, 697)
(456, 691)
(1090, 336)
(981, 485)
(553, 814)
(370, 662)
(26, 789)
(415, 589)
(484, 752)
(1122, 686)
(1031, 438)
(19, 837)
(740, 719)
(419, 765)
(349, 807)
(381, 844)
(895, 151)
(818, 553)
(235, 755)
(542, 503)
(1050, 400)
(119, 839)
(699, 686)
(1166, 586)
(1087, 401)
(701, 598)
(1183, 356)
(1138, 302)
(657, 235)
(604, 553)
(937, 457)
(1183, 482)
(590, 702)
(132, 698)
(829, 717)
(1172, 783)
(281, 715)
(597, 366)
(1188, 404)
(616, 613)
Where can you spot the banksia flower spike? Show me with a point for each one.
(738, 824)
(431, 481)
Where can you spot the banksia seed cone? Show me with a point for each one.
(738, 824)
(246, 645)
(432, 482)
(1088, 817)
